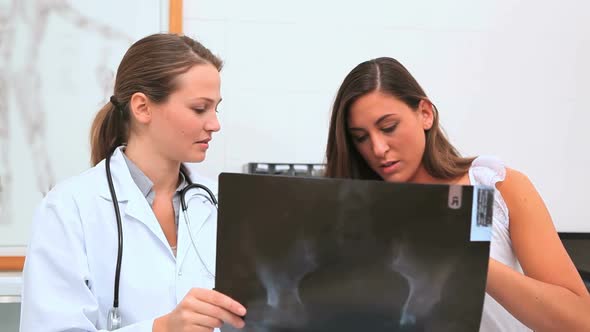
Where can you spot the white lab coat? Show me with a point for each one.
(70, 265)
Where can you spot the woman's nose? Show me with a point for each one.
(380, 147)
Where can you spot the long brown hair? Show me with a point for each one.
(150, 66)
(441, 160)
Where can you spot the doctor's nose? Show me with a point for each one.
(212, 123)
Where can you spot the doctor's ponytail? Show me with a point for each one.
(150, 66)
(109, 130)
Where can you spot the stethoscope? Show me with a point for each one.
(114, 316)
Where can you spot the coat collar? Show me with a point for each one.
(137, 206)
(122, 181)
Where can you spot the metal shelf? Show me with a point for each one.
(287, 169)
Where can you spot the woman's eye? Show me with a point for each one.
(199, 110)
(359, 139)
(389, 129)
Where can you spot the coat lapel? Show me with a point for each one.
(132, 204)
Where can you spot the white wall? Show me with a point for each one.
(67, 51)
(510, 78)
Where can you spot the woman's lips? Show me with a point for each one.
(390, 167)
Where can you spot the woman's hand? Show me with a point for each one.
(202, 310)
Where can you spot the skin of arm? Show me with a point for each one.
(550, 296)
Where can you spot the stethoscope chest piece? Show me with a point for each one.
(114, 319)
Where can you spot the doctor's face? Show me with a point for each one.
(390, 136)
(183, 126)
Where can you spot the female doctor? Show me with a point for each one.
(162, 113)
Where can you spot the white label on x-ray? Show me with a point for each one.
(482, 213)
(455, 196)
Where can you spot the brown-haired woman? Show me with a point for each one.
(383, 126)
(162, 114)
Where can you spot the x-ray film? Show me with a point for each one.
(309, 254)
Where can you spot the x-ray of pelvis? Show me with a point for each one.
(307, 254)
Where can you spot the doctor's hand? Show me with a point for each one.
(201, 310)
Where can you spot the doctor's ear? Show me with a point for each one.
(139, 108)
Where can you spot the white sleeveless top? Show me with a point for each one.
(488, 171)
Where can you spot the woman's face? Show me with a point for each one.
(390, 135)
(182, 126)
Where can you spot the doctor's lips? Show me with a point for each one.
(204, 143)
